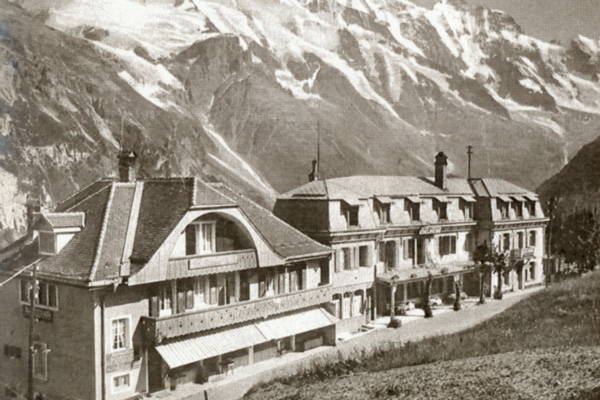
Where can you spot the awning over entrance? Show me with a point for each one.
(188, 351)
(192, 350)
(296, 323)
(468, 198)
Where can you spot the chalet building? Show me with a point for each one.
(388, 233)
(145, 284)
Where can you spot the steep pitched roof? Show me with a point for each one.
(284, 239)
(132, 220)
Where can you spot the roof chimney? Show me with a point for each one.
(441, 162)
(127, 165)
(314, 174)
(34, 207)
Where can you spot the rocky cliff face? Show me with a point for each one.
(235, 89)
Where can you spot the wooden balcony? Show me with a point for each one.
(238, 260)
(157, 329)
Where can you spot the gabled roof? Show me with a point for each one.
(131, 221)
(367, 186)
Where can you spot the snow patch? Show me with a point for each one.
(531, 85)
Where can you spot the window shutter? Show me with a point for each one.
(356, 260)
(339, 257)
(190, 240)
(369, 262)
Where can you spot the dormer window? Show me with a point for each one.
(531, 208)
(352, 216)
(55, 230)
(383, 205)
(440, 206)
(517, 206)
(412, 205)
(502, 205)
(350, 210)
(47, 243)
(200, 238)
(467, 206)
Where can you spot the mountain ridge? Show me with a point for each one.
(235, 91)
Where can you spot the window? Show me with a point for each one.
(520, 243)
(120, 383)
(47, 294)
(12, 352)
(441, 209)
(47, 243)
(120, 327)
(281, 282)
(503, 208)
(469, 242)
(447, 245)
(200, 238)
(467, 209)
(352, 215)
(506, 241)
(364, 256)
(244, 286)
(347, 258)
(518, 208)
(164, 300)
(532, 238)
(408, 247)
(384, 213)
(40, 360)
(413, 210)
(324, 272)
(531, 208)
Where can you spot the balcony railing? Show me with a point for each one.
(198, 265)
(157, 329)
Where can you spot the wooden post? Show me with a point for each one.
(392, 301)
(33, 297)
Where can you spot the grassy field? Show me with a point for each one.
(546, 346)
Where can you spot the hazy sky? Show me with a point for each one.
(548, 19)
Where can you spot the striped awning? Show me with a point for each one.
(413, 199)
(468, 198)
(384, 199)
(504, 198)
(293, 324)
(188, 351)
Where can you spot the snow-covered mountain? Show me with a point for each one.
(235, 89)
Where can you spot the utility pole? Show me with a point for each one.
(318, 149)
(469, 154)
(33, 297)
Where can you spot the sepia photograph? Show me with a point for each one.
(299, 199)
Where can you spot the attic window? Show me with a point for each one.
(47, 243)
(352, 215)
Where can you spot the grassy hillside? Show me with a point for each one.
(546, 346)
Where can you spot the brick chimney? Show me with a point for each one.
(441, 162)
(127, 160)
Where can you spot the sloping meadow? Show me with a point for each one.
(546, 346)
